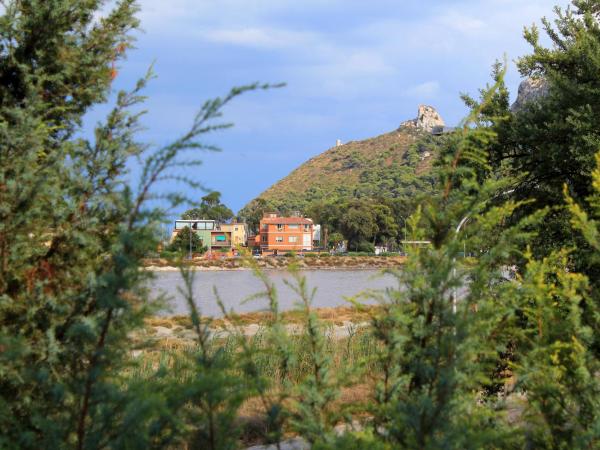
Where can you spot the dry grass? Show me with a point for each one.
(351, 362)
(336, 316)
(252, 413)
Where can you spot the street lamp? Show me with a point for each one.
(463, 221)
(460, 225)
(192, 227)
(404, 220)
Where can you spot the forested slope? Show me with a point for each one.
(393, 165)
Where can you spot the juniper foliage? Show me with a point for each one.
(73, 232)
(452, 336)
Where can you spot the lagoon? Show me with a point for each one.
(235, 286)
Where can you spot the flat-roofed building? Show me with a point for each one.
(285, 234)
(214, 235)
(201, 227)
(237, 233)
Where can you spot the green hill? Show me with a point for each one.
(393, 165)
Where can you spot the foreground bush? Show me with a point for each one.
(441, 348)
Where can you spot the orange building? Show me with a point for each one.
(285, 234)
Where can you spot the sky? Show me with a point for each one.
(353, 69)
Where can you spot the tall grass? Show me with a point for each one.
(356, 350)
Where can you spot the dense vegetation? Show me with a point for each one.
(461, 355)
(187, 242)
(391, 169)
(210, 208)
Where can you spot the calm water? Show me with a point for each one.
(236, 286)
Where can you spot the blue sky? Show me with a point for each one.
(354, 69)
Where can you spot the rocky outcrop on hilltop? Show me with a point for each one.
(394, 165)
(428, 119)
(530, 90)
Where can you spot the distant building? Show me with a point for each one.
(220, 238)
(285, 234)
(215, 236)
(202, 228)
(239, 233)
(254, 243)
(379, 249)
(229, 235)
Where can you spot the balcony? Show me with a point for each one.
(216, 243)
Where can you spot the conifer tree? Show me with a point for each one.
(73, 232)
(436, 328)
(551, 139)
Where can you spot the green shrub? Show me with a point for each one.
(182, 241)
(311, 255)
(366, 247)
(360, 254)
(72, 298)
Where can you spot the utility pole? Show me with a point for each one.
(190, 236)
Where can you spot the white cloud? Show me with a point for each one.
(424, 90)
(259, 37)
(167, 14)
(462, 23)
(380, 45)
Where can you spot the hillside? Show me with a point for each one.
(393, 165)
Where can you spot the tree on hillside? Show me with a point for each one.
(210, 208)
(358, 224)
(335, 239)
(387, 227)
(365, 222)
(327, 214)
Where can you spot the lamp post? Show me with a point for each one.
(454, 300)
(460, 225)
(193, 226)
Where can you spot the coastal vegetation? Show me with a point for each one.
(498, 351)
(210, 208)
(390, 171)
